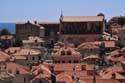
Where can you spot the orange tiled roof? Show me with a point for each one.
(20, 57)
(26, 51)
(101, 81)
(4, 56)
(12, 50)
(40, 76)
(40, 71)
(119, 76)
(82, 18)
(69, 67)
(13, 67)
(107, 73)
(96, 44)
(64, 77)
(42, 23)
(109, 44)
(91, 57)
(41, 67)
(65, 47)
(88, 45)
(116, 56)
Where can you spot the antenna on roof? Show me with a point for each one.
(61, 16)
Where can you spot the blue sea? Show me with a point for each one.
(8, 26)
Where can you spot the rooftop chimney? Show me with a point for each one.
(35, 22)
(28, 21)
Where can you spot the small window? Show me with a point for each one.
(69, 61)
(69, 52)
(40, 82)
(75, 61)
(33, 58)
(9, 52)
(83, 67)
(57, 61)
(17, 72)
(41, 71)
(62, 52)
(24, 79)
(27, 64)
(36, 41)
(15, 51)
(39, 57)
(63, 61)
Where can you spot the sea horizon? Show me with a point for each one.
(9, 26)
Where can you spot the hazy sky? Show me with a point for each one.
(50, 10)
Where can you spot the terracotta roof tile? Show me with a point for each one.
(109, 44)
(44, 69)
(82, 18)
(43, 23)
(4, 56)
(116, 56)
(20, 57)
(27, 51)
(12, 50)
(33, 39)
(88, 45)
(64, 77)
(91, 57)
(119, 76)
(40, 76)
(101, 81)
(96, 44)
(13, 67)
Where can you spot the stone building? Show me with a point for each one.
(122, 36)
(24, 30)
(14, 73)
(28, 57)
(33, 41)
(65, 54)
(50, 27)
(88, 48)
(77, 29)
(6, 41)
(84, 28)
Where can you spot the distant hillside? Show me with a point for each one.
(9, 26)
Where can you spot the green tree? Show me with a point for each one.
(121, 20)
(4, 32)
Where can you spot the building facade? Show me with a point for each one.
(122, 36)
(24, 30)
(65, 54)
(81, 28)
